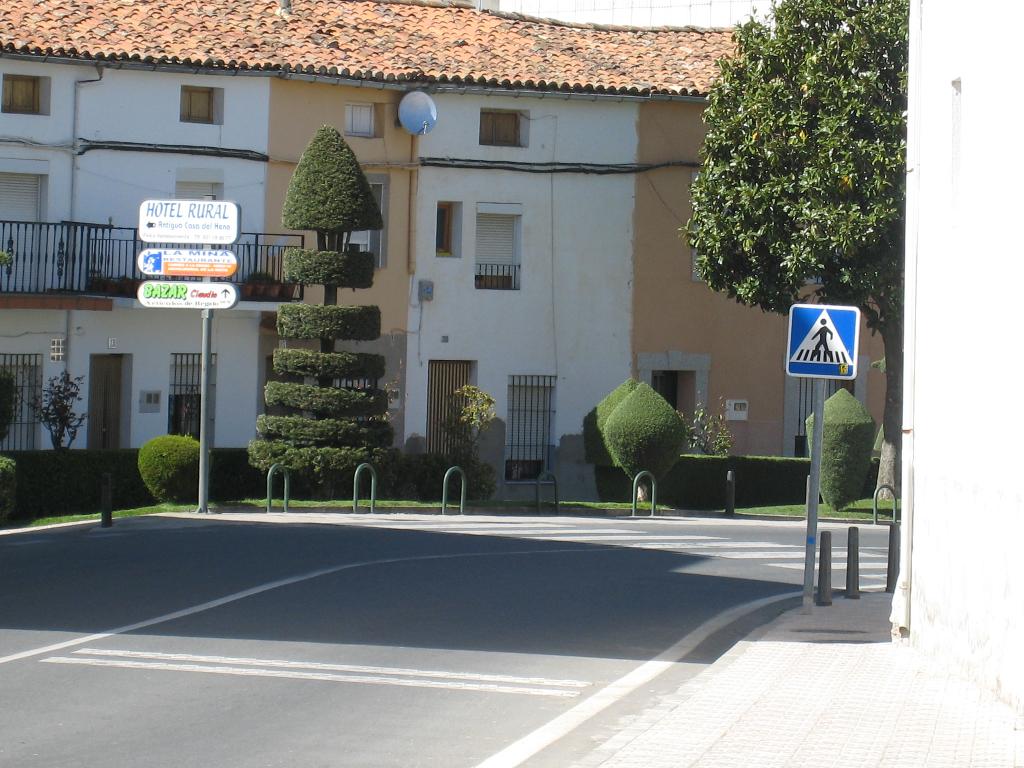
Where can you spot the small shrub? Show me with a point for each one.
(710, 433)
(645, 433)
(594, 447)
(169, 467)
(847, 439)
(8, 486)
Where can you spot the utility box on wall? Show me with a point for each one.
(736, 410)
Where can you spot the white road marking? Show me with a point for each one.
(522, 750)
(835, 566)
(266, 587)
(320, 676)
(325, 667)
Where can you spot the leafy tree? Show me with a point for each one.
(337, 414)
(801, 190)
(56, 409)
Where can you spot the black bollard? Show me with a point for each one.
(825, 569)
(106, 502)
(853, 563)
(893, 567)
(730, 493)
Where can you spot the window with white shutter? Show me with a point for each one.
(198, 190)
(497, 247)
(20, 197)
(373, 240)
(359, 120)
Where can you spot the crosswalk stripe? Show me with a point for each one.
(318, 676)
(327, 667)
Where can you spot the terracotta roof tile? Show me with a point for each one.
(385, 40)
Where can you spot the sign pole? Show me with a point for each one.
(204, 415)
(814, 489)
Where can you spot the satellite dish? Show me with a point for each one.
(417, 113)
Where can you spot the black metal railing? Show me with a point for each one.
(73, 257)
(531, 413)
(497, 277)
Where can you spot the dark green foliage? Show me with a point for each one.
(594, 447)
(328, 191)
(847, 439)
(803, 179)
(323, 463)
(305, 321)
(232, 477)
(644, 433)
(7, 395)
(169, 466)
(8, 487)
(698, 482)
(336, 365)
(421, 476)
(375, 434)
(353, 269)
(329, 402)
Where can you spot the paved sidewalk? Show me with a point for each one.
(824, 689)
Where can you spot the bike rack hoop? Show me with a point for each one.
(444, 490)
(373, 487)
(274, 469)
(654, 490)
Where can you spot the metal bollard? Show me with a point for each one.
(825, 569)
(106, 501)
(853, 563)
(893, 566)
(730, 493)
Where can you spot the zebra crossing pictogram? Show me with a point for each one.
(823, 341)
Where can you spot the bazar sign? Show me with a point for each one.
(188, 221)
(165, 293)
(187, 263)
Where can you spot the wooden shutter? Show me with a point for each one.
(443, 378)
(495, 238)
(19, 196)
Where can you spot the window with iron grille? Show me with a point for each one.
(184, 400)
(27, 371)
(531, 412)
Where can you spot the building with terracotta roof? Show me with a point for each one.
(531, 242)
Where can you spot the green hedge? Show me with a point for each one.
(345, 270)
(327, 401)
(340, 432)
(8, 484)
(698, 482)
(308, 321)
(169, 466)
(337, 365)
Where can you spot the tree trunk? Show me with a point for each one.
(889, 472)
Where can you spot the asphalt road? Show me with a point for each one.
(342, 640)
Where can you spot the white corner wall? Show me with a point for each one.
(967, 594)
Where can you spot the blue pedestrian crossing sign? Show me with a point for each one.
(823, 341)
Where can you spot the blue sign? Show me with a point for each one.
(823, 341)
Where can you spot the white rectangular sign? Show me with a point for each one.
(188, 221)
(176, 262)
(187, 295)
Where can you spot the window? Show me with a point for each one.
(26, 95)
(201, 105)
(184, 397)
(27, 371)
(359, 120)
(198, 190)
(21, 196)
(448, 234)
(497, 246)
(372, 240)
(500, 129)
(531, 412)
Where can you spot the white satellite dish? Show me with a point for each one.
(417, 113)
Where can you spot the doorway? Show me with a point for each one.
(105, 401)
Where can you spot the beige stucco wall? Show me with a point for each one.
(679, 322)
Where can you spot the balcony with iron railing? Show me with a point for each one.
(97, 259)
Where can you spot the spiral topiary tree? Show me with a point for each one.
(337, 415)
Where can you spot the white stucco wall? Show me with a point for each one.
(571, 317)
(139, 107)
(148, 337)
(963, 381)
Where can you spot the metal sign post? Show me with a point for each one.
(205, 222)
(822, 344)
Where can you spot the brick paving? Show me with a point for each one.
(822, 689)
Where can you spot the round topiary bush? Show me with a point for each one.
(644, 432)
(169, 467)
(7, 487)
(847, 439)
(594, 440)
